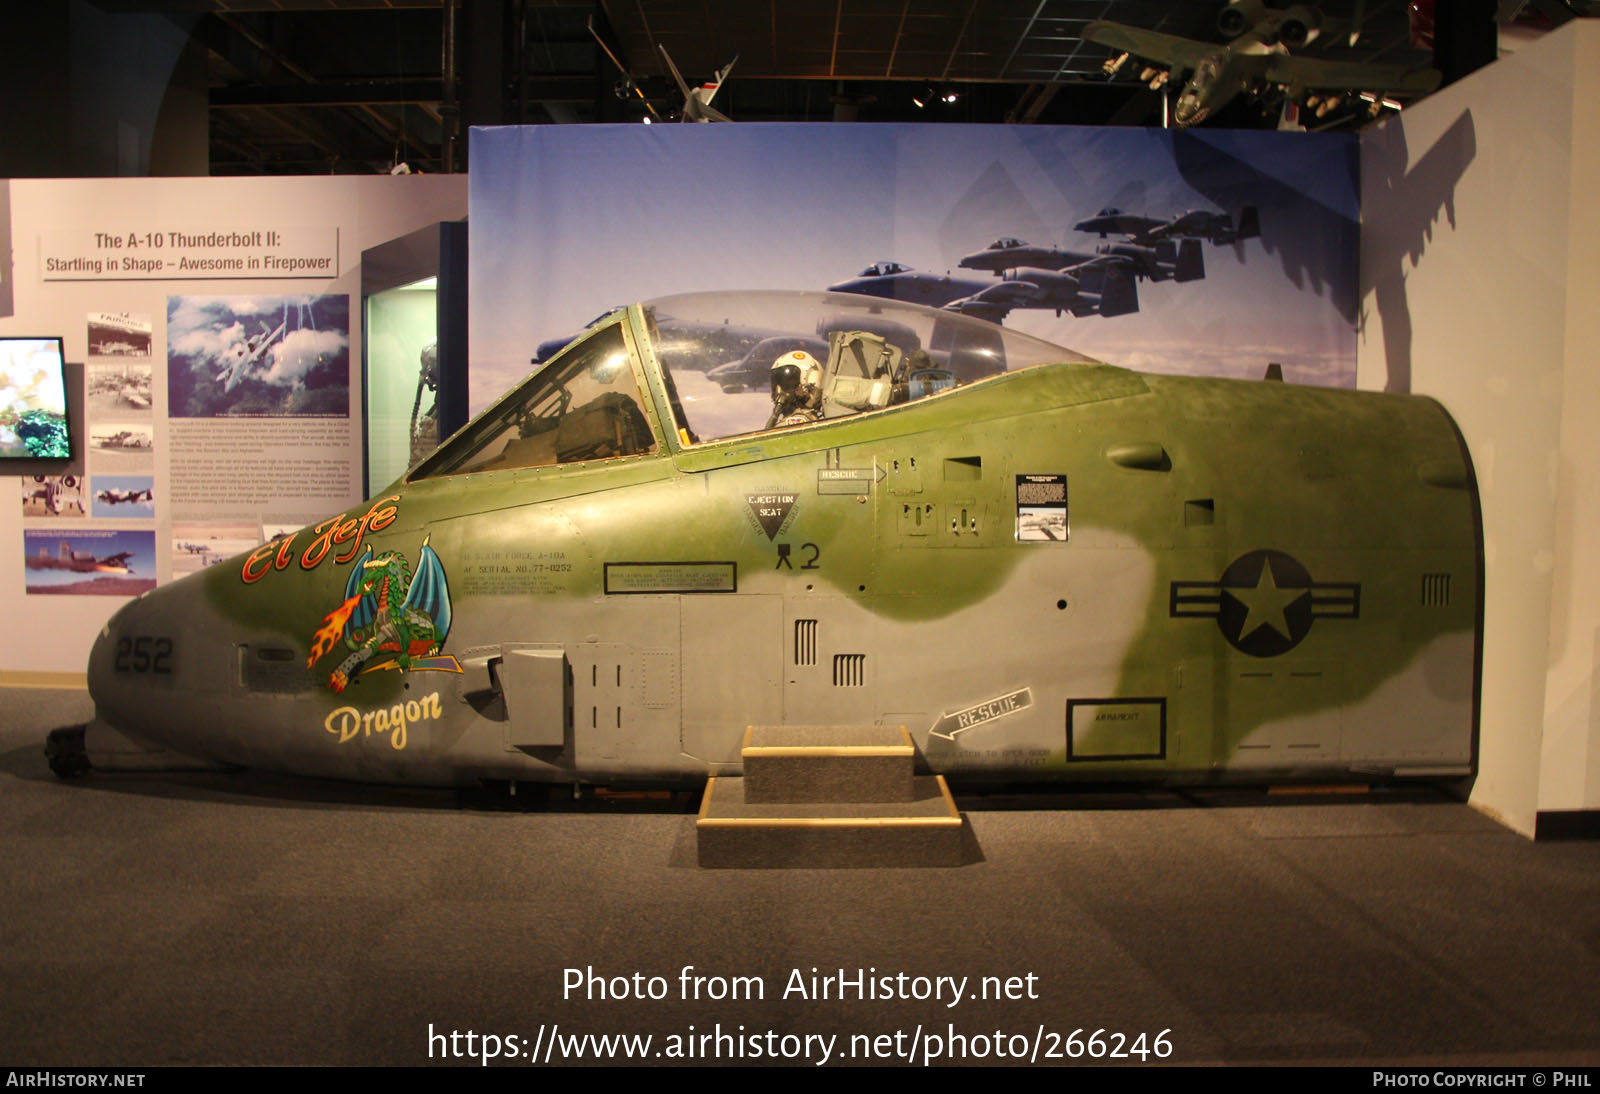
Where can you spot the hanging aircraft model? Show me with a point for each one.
(697, 101)
(1060, 569)
(1256, 58)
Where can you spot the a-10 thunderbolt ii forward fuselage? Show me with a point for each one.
(1040, 569)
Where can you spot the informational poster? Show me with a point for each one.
(213, 330)
(256, 384)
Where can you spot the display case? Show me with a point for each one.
(413, 376)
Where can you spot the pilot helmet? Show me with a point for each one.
(792, 370)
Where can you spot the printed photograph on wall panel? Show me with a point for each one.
(1201, 253)
(258, 356)
(54, 496)
(119, 334)
(119, 444)
(197, 544)
(124, 496)
(89, 562)
(119, 390)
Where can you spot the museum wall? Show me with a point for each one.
(1478, 273)
(1570, 761)
(217, 328)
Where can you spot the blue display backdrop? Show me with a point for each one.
(567, 222)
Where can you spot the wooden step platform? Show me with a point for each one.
(828, 797)
(828, 764)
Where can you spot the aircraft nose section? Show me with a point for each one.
(1188, 110)
(158, 662)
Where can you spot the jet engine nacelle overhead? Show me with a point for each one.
(1239, 16)
(1299, 26)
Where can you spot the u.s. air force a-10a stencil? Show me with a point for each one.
(1041, 566)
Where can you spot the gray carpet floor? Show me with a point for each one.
(243, 918)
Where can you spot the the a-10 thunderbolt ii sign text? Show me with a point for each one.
(158, 253)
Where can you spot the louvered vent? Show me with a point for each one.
(272, 670)
(849, 670)
(805, 641)
(1435, 590)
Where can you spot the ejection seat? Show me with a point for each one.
(611, 424)
(861, 373)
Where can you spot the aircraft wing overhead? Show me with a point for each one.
(722, 74)
(707, 92)
(676, 75)
(1308, 72)
(1167, 49)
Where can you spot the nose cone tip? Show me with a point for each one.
(100, 655)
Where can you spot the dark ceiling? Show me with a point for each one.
(310, 86)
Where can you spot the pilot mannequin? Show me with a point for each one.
(796, 390)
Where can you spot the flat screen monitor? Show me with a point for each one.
(33, 400)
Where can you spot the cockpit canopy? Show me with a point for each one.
(585, 404)
(701, 364)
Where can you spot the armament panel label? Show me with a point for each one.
(1116, 729)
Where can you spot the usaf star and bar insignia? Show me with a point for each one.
(1265, 602)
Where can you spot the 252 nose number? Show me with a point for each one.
(143, 653)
